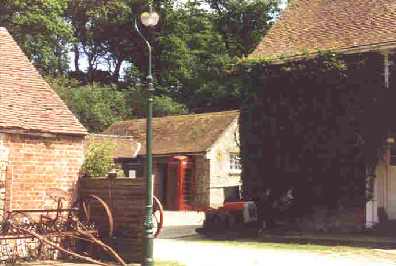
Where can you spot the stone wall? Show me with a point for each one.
(340, 220)
(220, 174)
(202, 182)
(39, 166)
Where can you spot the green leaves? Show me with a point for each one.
(193, 46)
(97, 107)
(243, 23)
(42, 31)
(98, 159)
(318, 125)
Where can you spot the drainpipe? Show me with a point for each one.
(387, 181)
(4, 164)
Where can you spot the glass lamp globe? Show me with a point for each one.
(149, 19)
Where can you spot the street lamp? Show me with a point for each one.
(148, 19)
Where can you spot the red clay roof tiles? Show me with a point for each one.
(307, 26)
(26, 101)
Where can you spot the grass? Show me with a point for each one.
(251, 243)
(339, 250)
(168, 263)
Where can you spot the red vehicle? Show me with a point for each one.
(231, 215)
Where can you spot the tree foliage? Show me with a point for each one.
(243, 23)
(315, 128)
(95, 43)
(40, 28)
(99, 106)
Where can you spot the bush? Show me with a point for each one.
(98, 159)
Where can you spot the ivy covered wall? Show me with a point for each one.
(314, 129)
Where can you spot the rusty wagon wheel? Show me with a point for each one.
(158, 215)
(93, 209)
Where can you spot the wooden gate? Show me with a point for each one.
(126, 199)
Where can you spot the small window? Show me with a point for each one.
(235, 161)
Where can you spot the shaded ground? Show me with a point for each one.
(51, 263)
(178, 231)
(179, 224)
(363, 240)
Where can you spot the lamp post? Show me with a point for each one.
(148, 19)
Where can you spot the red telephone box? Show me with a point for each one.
(180, 183)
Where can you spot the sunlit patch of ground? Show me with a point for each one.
(199, 251)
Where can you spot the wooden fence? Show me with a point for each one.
(126, 199)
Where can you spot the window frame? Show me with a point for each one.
(234, 163)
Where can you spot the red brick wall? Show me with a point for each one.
(37, 164)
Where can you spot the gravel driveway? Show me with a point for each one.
(195, 253)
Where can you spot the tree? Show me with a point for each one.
(193, 46)
(198, 44)
(105, 35)
(243, 23)
(97, 107)
(40, 28)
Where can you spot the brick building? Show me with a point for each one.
(41, 142)
(195, 158)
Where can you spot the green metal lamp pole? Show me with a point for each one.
(149, 19)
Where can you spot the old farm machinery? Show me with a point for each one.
(74, 232)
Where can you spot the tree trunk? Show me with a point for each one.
(117, 69)
(76, 58)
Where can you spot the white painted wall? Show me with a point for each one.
(220, 174)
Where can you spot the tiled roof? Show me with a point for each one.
(124, 146)
(178, 134)
(27, 103)
(307, 26)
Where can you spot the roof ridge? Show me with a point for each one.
(22, 84)
(178, 134)
(110, 135)
(341, 26)
(181, 116)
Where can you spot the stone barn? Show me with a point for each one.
(318, 155)
(195, 158)
(41, 142)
